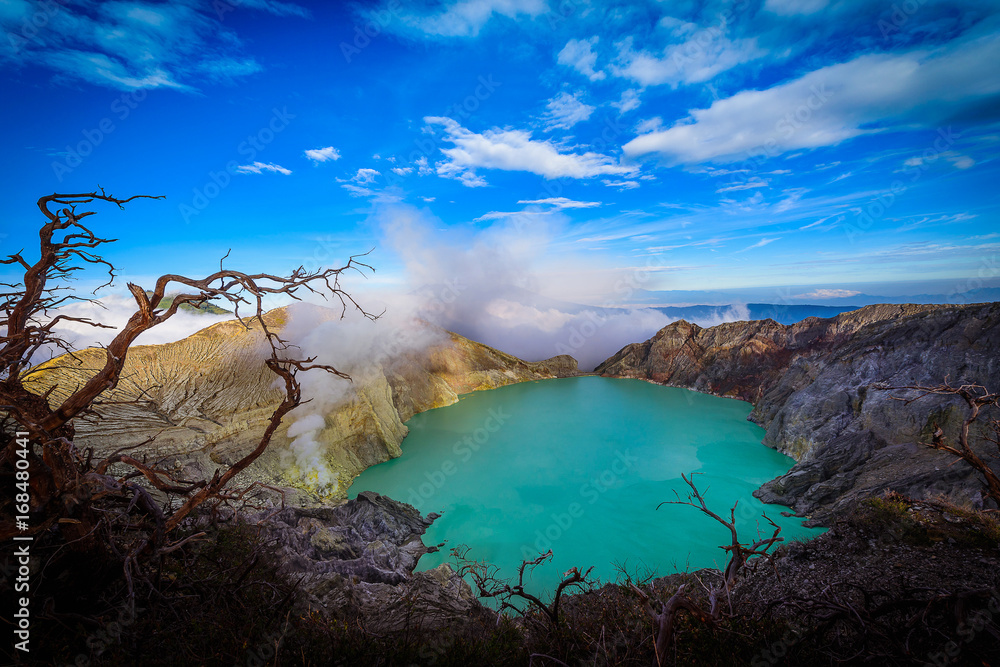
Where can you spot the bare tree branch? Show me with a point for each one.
(977, 398)
(65, 483)
(664, 613)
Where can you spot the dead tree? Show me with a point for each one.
(65, 483)
(977, 397)
(490, 585)
(664, 614)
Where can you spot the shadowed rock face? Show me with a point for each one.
(205, 401)
(357, 559)
(815, 386)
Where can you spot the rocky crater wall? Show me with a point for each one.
(203, 402)
(818, 388)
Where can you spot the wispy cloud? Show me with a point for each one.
(501, 215)
(327, 154)
(828, 294)
(131, 45)
(793, 7)
(551, 205)
(747, 185)
(621, 184)
(261, 167)
(695, 54)
(564, 111)
(460, 18)
(629, 101)
(760, 244)
(561, 202)
(273, 7)
(362, 184)
(957, 160)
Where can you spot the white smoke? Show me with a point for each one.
(497, 286)
(355, 345)
(735, 313)
(500, 286)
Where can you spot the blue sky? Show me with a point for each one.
(673, 145)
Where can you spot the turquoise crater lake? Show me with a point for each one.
(579, 465)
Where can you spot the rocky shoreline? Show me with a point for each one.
(821, 389)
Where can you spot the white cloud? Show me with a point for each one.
(514, 150)
(621, 184)
(833, 104)
(358, 185)
(957, 160)
(822, 220)
(747, 185)
(501, 215)
(961, 161)
(428, 199)
(130, 45)
(649, 125)
(793, 195)
(261, 167)
(760, 244)
(704, 53)
(402, 171)
(357, 191)
(465, 18)
(553, 204)
(318, 155)
(564, 111)
(792, 7)
(561, 202)
(274, 7)
(579, 54)
(423, 168)
(365, 176)
(828, 294)
(628, 101)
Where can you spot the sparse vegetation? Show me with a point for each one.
(979, 401)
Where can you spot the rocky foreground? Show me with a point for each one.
(822, 390)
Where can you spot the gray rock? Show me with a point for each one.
(818, 388)
(357, 560)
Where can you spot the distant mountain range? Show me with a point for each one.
(803, 296)
(783, 314)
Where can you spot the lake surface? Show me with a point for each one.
(579, 465)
